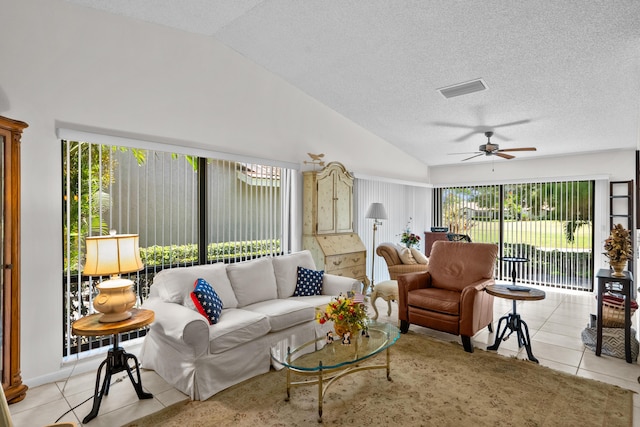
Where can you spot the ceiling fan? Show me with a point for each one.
(490, 149)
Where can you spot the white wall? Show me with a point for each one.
(67, 65)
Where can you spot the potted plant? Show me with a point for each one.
(618, 249)
(408, 238)
(347, 315)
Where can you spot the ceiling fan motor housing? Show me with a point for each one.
(488, 148)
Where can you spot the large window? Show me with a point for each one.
(549, 223)
(187, 210)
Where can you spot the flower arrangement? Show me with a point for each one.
(408, 238)
(618, 245)
(344, 310)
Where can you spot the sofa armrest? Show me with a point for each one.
(409, 282)
(336, 285)
(180, 326)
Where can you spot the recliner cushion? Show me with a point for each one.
(455, 265)
(435, 299)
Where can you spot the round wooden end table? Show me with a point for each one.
(117, 359)
(513, 322)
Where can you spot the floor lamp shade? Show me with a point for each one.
(111, 256)
(376, 211)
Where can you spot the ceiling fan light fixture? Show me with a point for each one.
(465, 88)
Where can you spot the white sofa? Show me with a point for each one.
(259, 310)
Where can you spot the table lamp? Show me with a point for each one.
(376, 212)
(113, 255)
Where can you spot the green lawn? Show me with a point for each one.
(541, 234)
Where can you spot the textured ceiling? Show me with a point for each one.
(563, 76)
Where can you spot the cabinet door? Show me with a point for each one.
(343, 204)
(326, 212)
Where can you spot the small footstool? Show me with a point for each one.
(388, 291)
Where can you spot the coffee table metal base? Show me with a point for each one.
(326, 377)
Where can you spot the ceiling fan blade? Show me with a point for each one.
(472, 157)
(504, 156)
(465, 136)
(468, 152)
(453, 125)
(518, 149)
(517, 122)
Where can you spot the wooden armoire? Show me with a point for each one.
(327, 229)
(10, 134)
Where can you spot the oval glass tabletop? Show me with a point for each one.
(336, 355)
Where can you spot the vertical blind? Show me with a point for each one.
(549, 223)
(169, 200)
(406, 206)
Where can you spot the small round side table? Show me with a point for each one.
(512, 320)
(117, 359)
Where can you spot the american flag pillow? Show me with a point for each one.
(309, 282)
(207, 301)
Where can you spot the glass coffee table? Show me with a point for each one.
(326, 363)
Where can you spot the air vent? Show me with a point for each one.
(463, 88)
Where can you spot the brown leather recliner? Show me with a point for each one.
(395, 266)
(450, 297)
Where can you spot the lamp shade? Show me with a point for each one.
(376, 211)
(112, 255)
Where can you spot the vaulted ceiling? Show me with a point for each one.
(561, 76)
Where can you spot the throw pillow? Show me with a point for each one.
(309, 282)
(207, 301)
(419, 256)
(405, 256)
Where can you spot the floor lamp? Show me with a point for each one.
(376, 212)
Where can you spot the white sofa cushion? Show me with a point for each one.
(253, 281)
(235, 327)
(285, 268)
(317, 301)
(175, 284)
(284, 313)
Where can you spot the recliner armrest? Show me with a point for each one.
(409, 282)
(475, 304)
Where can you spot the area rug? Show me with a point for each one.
(433, 384)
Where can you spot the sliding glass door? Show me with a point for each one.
(549, 223)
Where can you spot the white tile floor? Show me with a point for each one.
(555, 324)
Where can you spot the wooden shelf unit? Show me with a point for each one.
(621, 210)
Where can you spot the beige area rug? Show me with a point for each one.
(433, 384)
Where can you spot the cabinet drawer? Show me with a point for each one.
(345, 260)
(356, 271)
